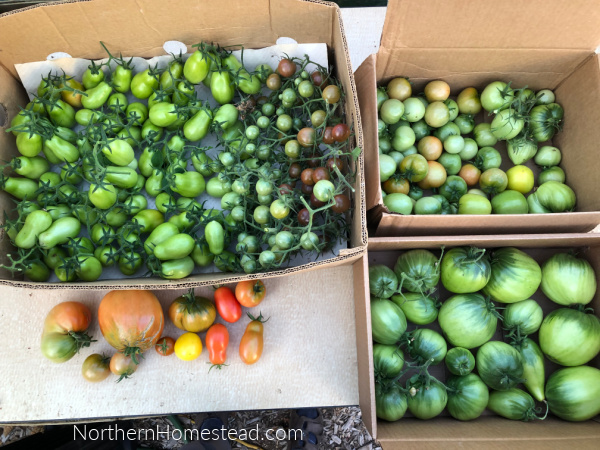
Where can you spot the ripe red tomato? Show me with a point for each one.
(250, 292)
(227, 305)
(341, 132)
(328, 136)
(217, 340)
(286, 68)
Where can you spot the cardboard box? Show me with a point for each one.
(309, 357)
(488, 431)
(140, 29)
(541, 44)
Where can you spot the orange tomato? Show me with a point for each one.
(250, 293)
(251, 345)
(430, 147)
(470, 174)
(217, 340)
(436, 176)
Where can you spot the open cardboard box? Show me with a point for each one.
(488, 431)
(140, 29)
(541, 44)
(309, 357)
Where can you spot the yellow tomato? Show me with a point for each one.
(520, 178)
(188, 346)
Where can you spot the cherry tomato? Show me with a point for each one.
(307, 177)
(319, 79)
(217, 340)
(188, 346)
(342, 204)
(315, 202)
(324, 190)
(303, 217)
(286, 68)
(251, 345)
(332, 162)
(341, 132)
(320, 173)
(122, 365)
(165, 346)
(279, 210)
(331, 94)
(273, 82)
(250, 293)
(306, 137)
(306, 189)
(227, 305)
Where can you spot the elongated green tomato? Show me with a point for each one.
(427, 398)
(214, 235)
(163, 114)
(121, 177)
(102, 196)
(388, 360)
(533, 367)
(61, 114)
(58, 211)
(62, 150)
(390, 402)
(569, 337)
(196, 67)
(387, 320)
(96, 96)
(119, 152)
(176, 269)
(29, 144)
(36, 223)
(523, 318)
(107, 255)
(137, 113)
(247, 84)
(221, 87)
(499, 365)
(468, 320)
(144, 84)
(568, 280)
(418, 308)
(425, 345)
(573, 393)
(37, 271)
(20, 188)
(467, 396)
(383, 282)
(514, 404)
(196, 128)
(506, 124)
(226, 116)
(474, 204)
(174, 247)
(202, 255)
(172, 73)
(189, 184)
(59, 232)
(31, 167)
(460, 361)
(515, 276)
(121, 78)
(92, 76)
(160, 234)
(465, 270)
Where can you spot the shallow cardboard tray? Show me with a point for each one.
(141, 28)
(489, 431)
(309, 356)
(472, 44)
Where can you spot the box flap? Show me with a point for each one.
(502, 24)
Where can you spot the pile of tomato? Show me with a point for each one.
(430, 144)
(113, 170)
(133, 322)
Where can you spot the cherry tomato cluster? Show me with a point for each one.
(116, 139)
(425, 143)
(195, 314)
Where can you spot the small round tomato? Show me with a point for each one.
(430, 147)
(331, 94)
(470, 174)
(328, 136)
(307, 177)
(437, 114)
(341, 132)
(324, 190)
(437, 91)
(306, 137)
(342, 204)
(315, 202)
(335, 162)
(294, 171)
(273, 81)
(520, 179)
(122, 366)
(391, 111)
(436, 176)
(286, 68)
(493, 181)
(320, 173)
(317, 118)
(396, 184)
(303, 217)
(250, 293)
(279, 210)
(399, 88)
(165, 346)
(95, 368)
(319, 79)
(188, 346)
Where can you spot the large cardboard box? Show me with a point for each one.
(140, 29)
(541, 44)
(488, 431)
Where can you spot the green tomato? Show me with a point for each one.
(175, 247)
(102, 196)
(324, 190)
(496, 96)
(428, 205)
(474, 204)
(189, 184)
(454, 144)
(97, 96)
(59, 232)
(391, 111)
(452, 163)
(398, 203)
(163, 114)
(196, 67)
(484, 136)
(177, 269)
(217, 188)
(144, 84)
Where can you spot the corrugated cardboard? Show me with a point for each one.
(309, 356)
(472, 44)
(489, 431)
(140, 28)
